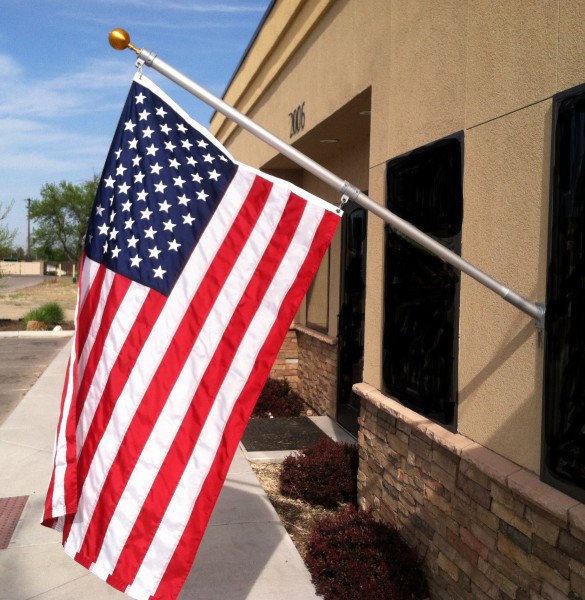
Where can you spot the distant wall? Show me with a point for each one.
(22, 268)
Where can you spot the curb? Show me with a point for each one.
(40, 334)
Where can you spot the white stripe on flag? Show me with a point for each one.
(186, 385)
(181, 506)
(152, 354)
(119, 330)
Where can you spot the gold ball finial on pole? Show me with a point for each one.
(120, 40)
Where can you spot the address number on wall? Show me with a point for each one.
(297, 119)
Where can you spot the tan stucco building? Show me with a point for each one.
(466, 116)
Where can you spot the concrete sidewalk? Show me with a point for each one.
(246, 552)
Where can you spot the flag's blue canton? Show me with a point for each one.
(161, 183)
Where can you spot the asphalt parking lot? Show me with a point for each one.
(14, 283)
(22, 360)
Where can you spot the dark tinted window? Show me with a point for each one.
(564, 402)
(421, 304)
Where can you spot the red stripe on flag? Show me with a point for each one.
(91, 299)
(115, 298)
(182, 560)
(49, 521)
(118, 376)
(90, 305)
(162, 383)
(172, 469)
(66, 490)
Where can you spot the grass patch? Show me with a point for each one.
(50, 314)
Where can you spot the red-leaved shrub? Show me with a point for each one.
(278, 399)
(324, 474)
(353, 557)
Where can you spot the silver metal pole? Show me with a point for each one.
(535, 310)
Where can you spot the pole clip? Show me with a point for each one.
(139, 65)
(348, 192)
(540, 321)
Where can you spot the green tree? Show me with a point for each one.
(19, 253)
(61, 218)
(6, 235)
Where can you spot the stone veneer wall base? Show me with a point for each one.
(308, 361)
(317, 370)
(485, 527)
(287, 362)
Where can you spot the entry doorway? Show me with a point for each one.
(351, 314)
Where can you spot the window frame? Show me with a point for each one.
(549, 474)
(311, 324)
(445, 410)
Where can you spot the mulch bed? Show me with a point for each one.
(284, 433)
(297, 516)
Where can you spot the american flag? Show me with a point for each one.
(194, 267)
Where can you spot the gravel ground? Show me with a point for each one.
(16, 300)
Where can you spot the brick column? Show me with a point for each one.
(318, 370)
(287, 362)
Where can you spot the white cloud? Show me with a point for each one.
(21, 137)
(64, 95)
(9, 67)
(48, 126)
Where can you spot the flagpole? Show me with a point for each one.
(120, 40)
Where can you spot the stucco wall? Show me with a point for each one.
(470, 500)
(505, 233)
(488, 69)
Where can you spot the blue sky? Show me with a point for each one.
(63, 87)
